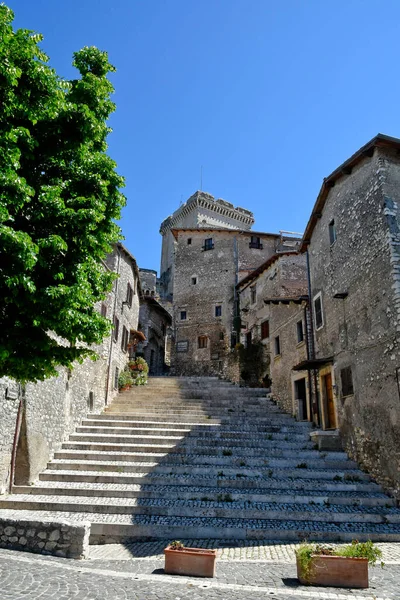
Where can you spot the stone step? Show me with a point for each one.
(129, 421)
(189, 439)
(267, 481)
(150, 434)
(186, 508)
(205, 448)
(219, 458)
(214, 411)
(286, 421)
(119, 528)
(178, 468)
(213, 494)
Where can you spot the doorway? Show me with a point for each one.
(300, 391)
(329, 403)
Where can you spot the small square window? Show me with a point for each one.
(202, 341)
(189, 241)
(347, 381)
(218, 311)
(264, 330)
(255, 242)
(183, 315)
(194, 280)
(208, 244)
(300, 331)
(332, 232)
(277, 346)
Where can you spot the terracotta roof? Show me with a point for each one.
(176, 230)
(263, 267)
(380, 140)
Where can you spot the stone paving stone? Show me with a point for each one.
(48, 578)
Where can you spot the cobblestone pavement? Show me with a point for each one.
(26, 576)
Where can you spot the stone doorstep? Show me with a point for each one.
(187, 493)
(199, 481)
(202, 509)
(327, 441)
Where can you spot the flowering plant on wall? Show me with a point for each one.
(139, 370)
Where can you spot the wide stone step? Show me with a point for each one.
(223, 457)
(223, 509)
(186, 418)
(119, 528)
(266, 481)
(214, 494)
(190, 439)
(214, 470)
(181, 446)
(149, 434)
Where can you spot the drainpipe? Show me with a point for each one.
(312, 341)
(112, 333)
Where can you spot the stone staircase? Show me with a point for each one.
(201, 458)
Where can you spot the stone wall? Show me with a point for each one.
(66, 540)
(53, 408)
(155, 322)
(361, 331)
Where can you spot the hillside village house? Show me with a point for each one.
(274, 312)
(353, 244)
(208, 263)
(51, 409)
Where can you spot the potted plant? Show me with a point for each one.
(197, 562)
(338, 567)
(139, 370)
(124, 381)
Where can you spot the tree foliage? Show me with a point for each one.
(59, 198)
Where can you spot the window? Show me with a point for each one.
(218, 311)
(253, 294)
(202, 341)
(183, 315)
(332, 232)
(129, 295)
(300, 331)
(124, 339)
(208, 244)
(189, 241)
(116, 375)
(103, 309)
(277, 346)
(347, 381)
(255, 242)
(319, 317)
(264, 330)
(194, 280)
(248, 339)
(116, 329)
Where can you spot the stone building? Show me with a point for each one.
(200, 211)
(274, 313)
(33, 427)
(155, 322)
(208, 265)
(353, 244)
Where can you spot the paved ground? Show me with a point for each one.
(135, 572)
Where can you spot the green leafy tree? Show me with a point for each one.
(59, 199)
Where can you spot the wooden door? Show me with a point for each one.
(330, 415)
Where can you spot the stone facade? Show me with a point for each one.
(51, 409)
(273, 308)
(155, 323)
(208, 265)
(353, 241)
(200, 211)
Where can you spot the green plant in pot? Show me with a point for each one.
(345, 566)
(124, 380)
(139, 370)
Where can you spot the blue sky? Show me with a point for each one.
(268, 96)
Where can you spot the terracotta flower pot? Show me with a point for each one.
(190, 561)
(335, 571)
